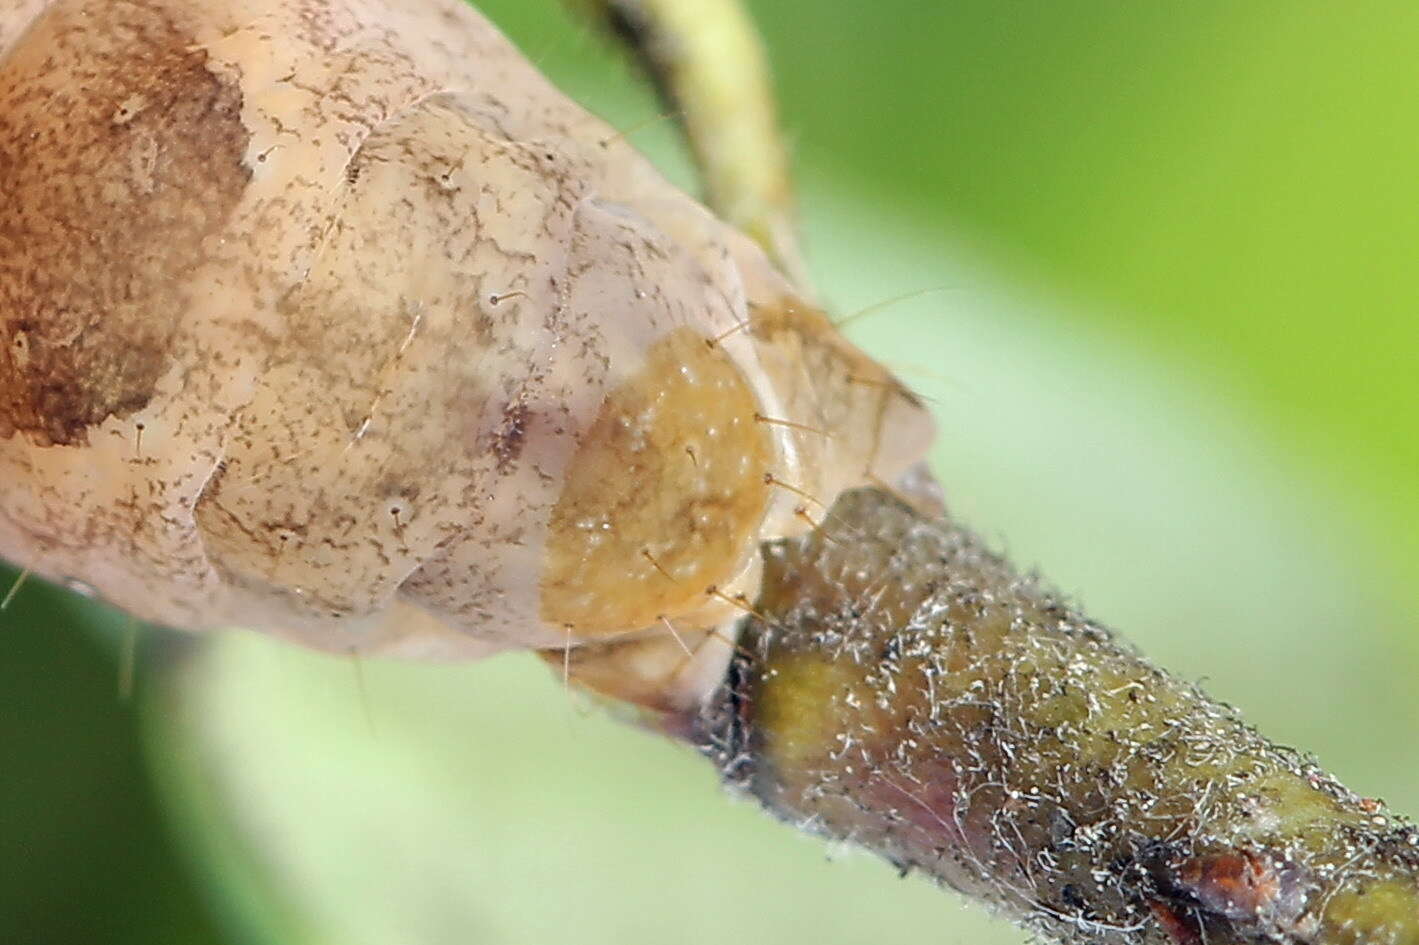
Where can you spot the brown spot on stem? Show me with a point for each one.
(1243, 886)
(1235, 885)
(120, 160)
(1178, 929)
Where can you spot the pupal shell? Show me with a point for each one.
(333, 319)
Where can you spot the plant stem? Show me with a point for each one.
(904, 689)
(708, 63)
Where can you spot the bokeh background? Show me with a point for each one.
(1173, 348)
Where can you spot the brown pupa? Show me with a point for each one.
(335, 320)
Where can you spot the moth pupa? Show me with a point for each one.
(335, 320)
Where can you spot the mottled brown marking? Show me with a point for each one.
(511, 435)
(120, 157)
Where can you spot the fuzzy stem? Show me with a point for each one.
(908, 691)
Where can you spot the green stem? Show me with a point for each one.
(707, 61)
(905, 689)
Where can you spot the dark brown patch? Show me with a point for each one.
(120, 158)
(511, 435)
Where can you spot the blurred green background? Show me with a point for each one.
(1176, 365)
